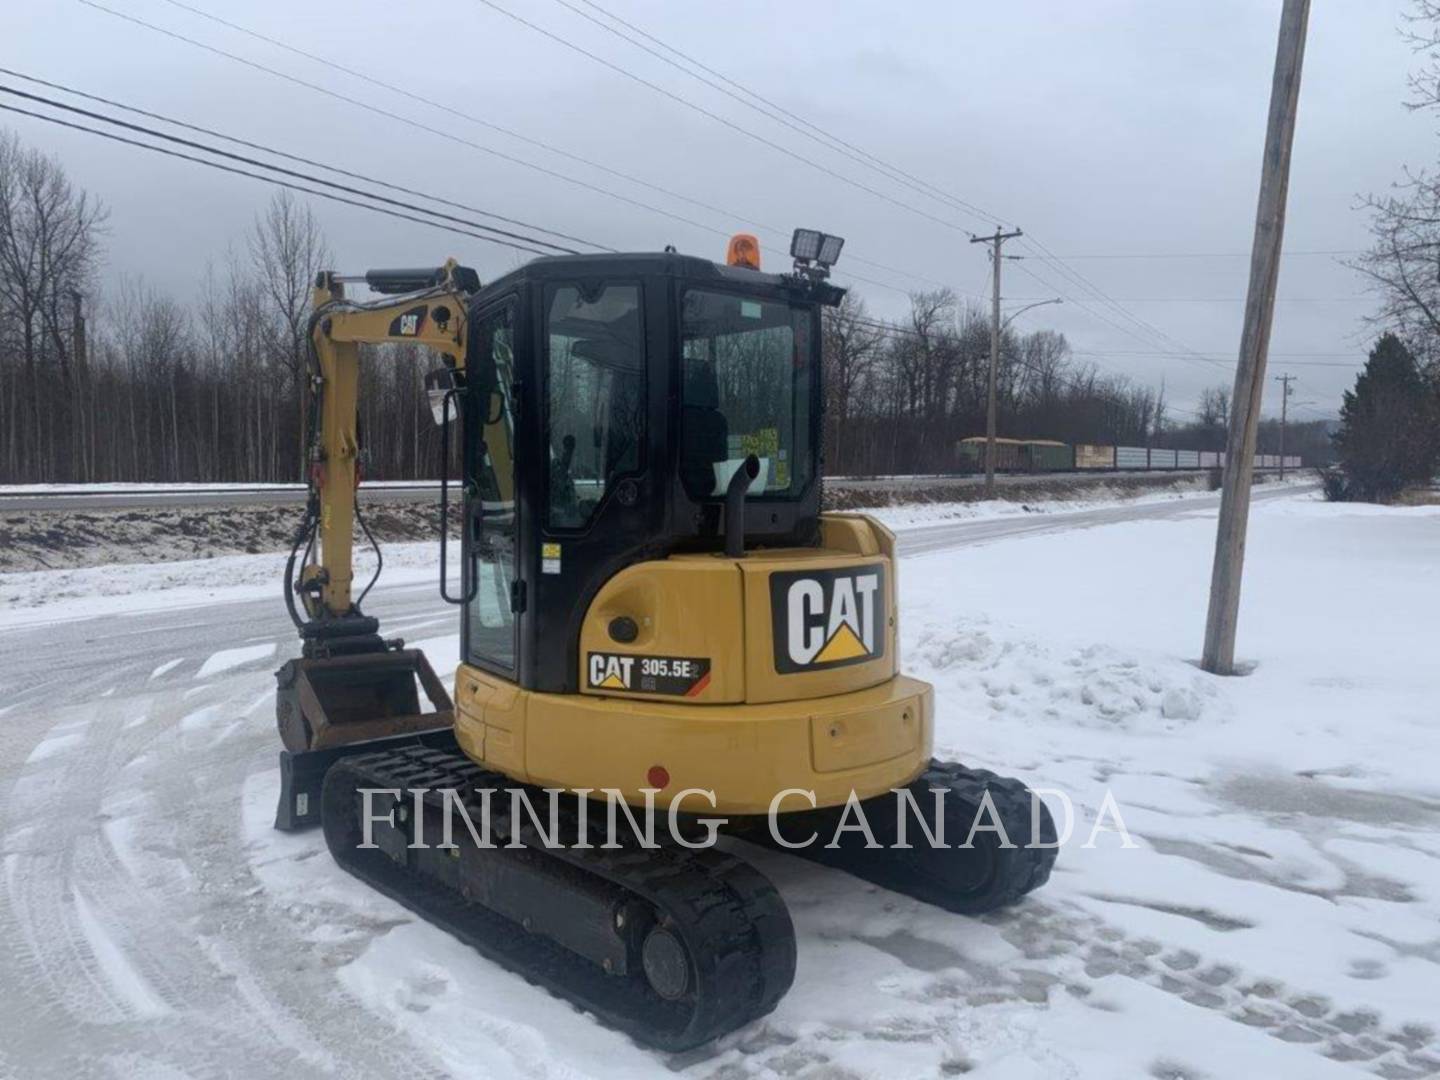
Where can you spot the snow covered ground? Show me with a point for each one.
(1278, 916)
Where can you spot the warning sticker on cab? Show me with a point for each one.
(683, 676)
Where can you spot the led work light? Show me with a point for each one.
(809, 246)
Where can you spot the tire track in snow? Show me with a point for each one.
(111, 924)
(1290, 1014)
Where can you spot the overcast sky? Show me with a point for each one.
(1100, 127)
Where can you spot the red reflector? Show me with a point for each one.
(658, 777)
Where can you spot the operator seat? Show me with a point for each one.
(704, 431)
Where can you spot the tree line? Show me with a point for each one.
(901, 395)
(124, 383)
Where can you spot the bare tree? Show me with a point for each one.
(1421, 31)
(49, 235)
(850, 347)
(1402, 260)
(1405, 222)
(287, 248)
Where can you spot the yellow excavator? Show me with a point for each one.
(654, 612)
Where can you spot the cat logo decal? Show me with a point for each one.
(828, 618)
(409, 323)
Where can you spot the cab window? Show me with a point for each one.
(746, 389)
(594, 396)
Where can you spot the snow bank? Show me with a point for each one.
(42, 596)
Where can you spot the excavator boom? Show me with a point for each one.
(350, 686)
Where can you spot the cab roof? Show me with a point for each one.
(663, 264)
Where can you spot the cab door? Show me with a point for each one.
(597, 500)
(489, 546)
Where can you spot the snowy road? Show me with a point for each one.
(1277, 917)
(69, 661)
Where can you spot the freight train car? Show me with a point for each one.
(1017, 455)
(1089, 456)
(1048, 456)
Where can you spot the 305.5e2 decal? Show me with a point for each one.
(684, 676)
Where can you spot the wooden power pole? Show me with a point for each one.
(1286, 380)
(1220, 624)
(995, 242)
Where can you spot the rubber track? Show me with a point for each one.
(969, 881)
(735, 927)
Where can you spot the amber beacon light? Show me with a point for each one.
(744, 250)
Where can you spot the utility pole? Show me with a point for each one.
(1287, 379)
(1220, 622)
(995, 242)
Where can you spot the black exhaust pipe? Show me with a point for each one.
(735, 506)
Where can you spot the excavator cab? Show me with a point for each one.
(609, 402)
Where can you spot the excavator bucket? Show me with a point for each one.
(331, 707)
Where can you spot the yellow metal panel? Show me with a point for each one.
(854, 534)
(745, 754)
(684, 607)
(864, 736)
(490, 720)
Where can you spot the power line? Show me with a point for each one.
(522, 137)
(703, 111)
(1351, 364)
(283, 171)
(295, 157)
(1227, 299)
(1149, 352)
(1069, 273)
(1085, 283)
(380, 111)
(1086, 307)
(482, 148)
(893, 172)
(769, 109)
(1200, 254)
(270, 179)
(1076, 278)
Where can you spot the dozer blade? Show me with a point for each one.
(332, 707)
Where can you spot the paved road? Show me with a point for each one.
(120, 498)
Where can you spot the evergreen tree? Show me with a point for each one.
(1389, 436)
